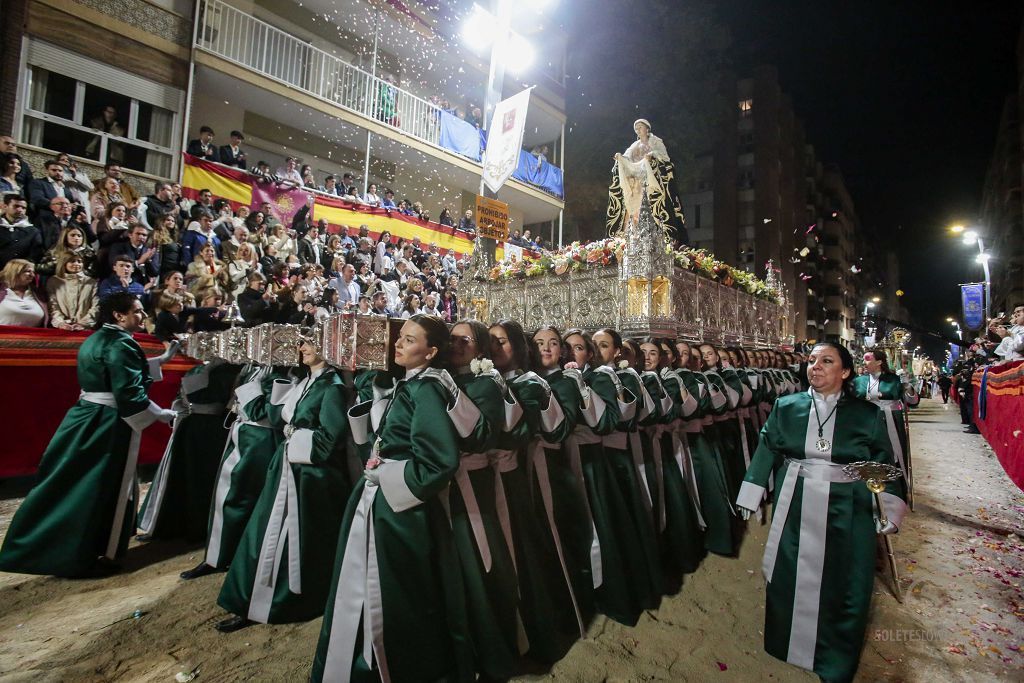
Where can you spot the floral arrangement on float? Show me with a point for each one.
(609, 251)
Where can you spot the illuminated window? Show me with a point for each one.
(746, 106)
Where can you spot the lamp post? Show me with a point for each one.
(972, 237)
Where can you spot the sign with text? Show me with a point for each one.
(491, 218)
(973, 298)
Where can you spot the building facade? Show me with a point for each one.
(346, 85)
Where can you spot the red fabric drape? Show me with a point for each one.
(1003, 426)
(37, 373)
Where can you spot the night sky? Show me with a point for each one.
(906, 98)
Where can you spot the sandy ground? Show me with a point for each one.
(960, 556)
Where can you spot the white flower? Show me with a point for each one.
(482, 366)
(474, 365)
(623, 364)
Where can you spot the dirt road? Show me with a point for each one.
(960, 554)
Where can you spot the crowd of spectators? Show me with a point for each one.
(1003, 342)
(68, 241)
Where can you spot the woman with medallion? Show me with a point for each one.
(819, 560)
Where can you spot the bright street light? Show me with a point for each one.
(949, 320)
(982, 258)
(477, 29)
(956, 229)
(876, 299)
(970, 237)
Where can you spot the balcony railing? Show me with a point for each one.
(240, 38)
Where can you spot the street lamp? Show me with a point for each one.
(867, 305)
(973, 237)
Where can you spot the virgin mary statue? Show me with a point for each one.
(646, 161)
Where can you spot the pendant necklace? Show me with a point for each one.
(822, 444)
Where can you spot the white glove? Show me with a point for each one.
(372, 476)
(889, 527)
(168, 354)
(745, 513)
(167, 416)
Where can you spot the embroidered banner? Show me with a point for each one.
(973, 298)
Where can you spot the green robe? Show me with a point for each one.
(242, 474)
(619, 568)
(820, 555)
(281, 571)
(396, 560)
(887, 392)
(84, 504)
(681, 534)
(485, 554)
(728, 431)
(548, 608)
(723, 528)
(562, 503)
(177, 504)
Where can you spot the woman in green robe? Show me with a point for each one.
(724, 530)
(281, 571)
(550, 614)
(252, 441)
(819, 560)
(892, 394)
(396, 609)
(79, 517)
(730, 442)
(177, 504)
(622, 588)
(677, 500)
(481, 520)
(558, 497)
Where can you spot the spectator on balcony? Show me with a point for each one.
(347, 180)
(449, 306)
(72, 242)
(347, 243)
(24, 176)
(109, 192)
(19, 239)
(256, 301)
(114, 225)
(106, 121)
(347, 287)
(467, 224)
(379, 304)
(365, 276)
(79, 183)
(161, 203)
(541, 152)
(232, 154)
(174, 283)
(164, 239)
(310, 250)
(42, 190)
(387, 101)
(430, 306)
(20, 303)
(224, 222)
(475, 117)
(269, 217)
(371, 197)
(283, 242)
(10, 169)
(383, 259)
(60, 215)
(308, 179)
(263, 173)
(145, 259)
(528, 240)
(388, 202)
(207, 271)
(289, 173)
(243, 263)
(239, 237)
(204, 147)
(446, 218)
(449, 263)
(128, 194)
(199, 234)
(420, 212)
(72, 295)
(539, 243)
(410, 306)
(121, 281)
(330, 186)
(364, 305)
(352, 195)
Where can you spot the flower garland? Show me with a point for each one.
(609, 251)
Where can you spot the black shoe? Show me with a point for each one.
(972, 430)
(103, 567)
(201, 569)
(232, 624)
(144, 538)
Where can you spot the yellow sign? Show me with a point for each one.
(491, 218)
